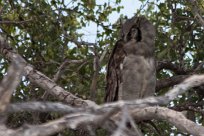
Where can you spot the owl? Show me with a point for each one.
(131, 68)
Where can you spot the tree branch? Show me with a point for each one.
(83, 43)
(63, 65)
(41, 107)
(96, 68)
(170, 66)
(43, 81)
(175, 118)
(170, 81)
(11, 80)
(181, 88)
(181, 74)
(100, 113)
(94, 113)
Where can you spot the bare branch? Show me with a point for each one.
(83, 43)
(44, 82)
(95, 114)
(103, 55)
(96, 67)
(122, 125)
(11, 80)
(69, 121)
(60, 72)
(181, 88)
(175, 118)
(190, 82)
(6, 131)
(63, 65)
(41, 107)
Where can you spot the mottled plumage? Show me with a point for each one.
(131, 68)
(114, 75)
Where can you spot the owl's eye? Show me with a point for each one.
(134, 33)
(128, 37)
(138, 37)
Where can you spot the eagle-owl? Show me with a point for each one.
(131, 67)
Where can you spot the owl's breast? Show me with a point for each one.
(138, 77)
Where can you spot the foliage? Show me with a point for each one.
(47, 33)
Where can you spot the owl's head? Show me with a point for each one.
(130, 29)
(136, 28)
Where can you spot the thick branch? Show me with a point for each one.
(190, 82)
(69, 121)
(96, 114)
(11, 80)
(175, 118)
(45, 82)
(41, 107)
(181, 88)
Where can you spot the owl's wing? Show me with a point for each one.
(114, 74)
